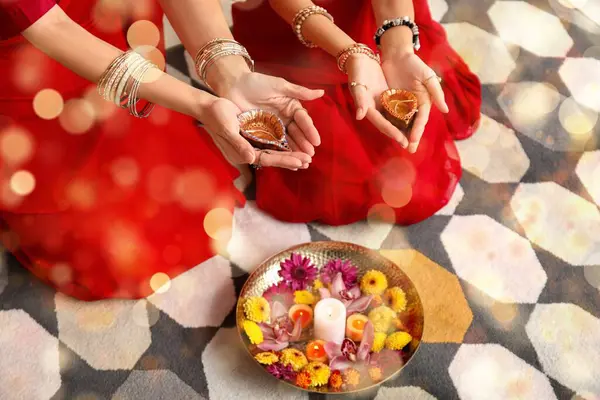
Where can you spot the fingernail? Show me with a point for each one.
(304, 166)
(412, 147)
(294, 169)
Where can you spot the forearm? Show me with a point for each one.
(398, 39)
(78, 50)
(317, 29)
(197, 22)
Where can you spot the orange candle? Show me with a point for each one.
(301, 312)
(315, 351)
(355, 326)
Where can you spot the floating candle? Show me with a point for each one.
(355, 326)
(315, 351)
(330, 320)
(301, 312)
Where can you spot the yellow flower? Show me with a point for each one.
(373, 282)
(257, 309)
(317, 284)
(319, 373)
(266, 358)
(293, 357)
(382, 318)
(398, 340)
(375, 373)
(395, 298)
(253, 332)
(351, 377)
(378, 342)
(304, 297)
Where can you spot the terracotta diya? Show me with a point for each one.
(264, 130)
(400, 108)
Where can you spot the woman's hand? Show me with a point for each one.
(220, 118)
(367, 82)
(407, 71)
(254, 90)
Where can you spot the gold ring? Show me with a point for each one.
(257, 165)
(431, 77)
(355, 84)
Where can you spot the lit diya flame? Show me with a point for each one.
(400, 107)
(264, 130)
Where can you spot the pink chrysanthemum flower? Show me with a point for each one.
(349, 272)
(298, 272)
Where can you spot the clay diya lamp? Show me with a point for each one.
(400, 108)
(264, 130)
(301, 312)
(315, 351)
(355, 326)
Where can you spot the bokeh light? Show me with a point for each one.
(109, 15)
(22, 183)
(217, 222)
(160, 282)
(533, 102)
(92, 319)
(381, 213)
(592, 275)
(61, 274)
(48, 104)
(195, 189)
(505, 314)
(125, 172)
(16, 146)
(161, 183)
(78, 116)
(143, 33)
(154, 55)
(81, 194)
(396, 196)
(29, 74)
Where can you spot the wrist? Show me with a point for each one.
(225, 73)
(397, 42)
(202, 103)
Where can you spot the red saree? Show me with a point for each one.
(126, 200)
(356, 167)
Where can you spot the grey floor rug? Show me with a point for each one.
(509, 271)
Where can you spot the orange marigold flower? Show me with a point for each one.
(303, 380)
(351, 377)
(376, 373)
(335, 380)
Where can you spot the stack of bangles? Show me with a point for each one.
(215, 49)
(121, 82)
(357, 48)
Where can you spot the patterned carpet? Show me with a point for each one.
(509, 272)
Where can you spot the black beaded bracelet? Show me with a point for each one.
(404, 21)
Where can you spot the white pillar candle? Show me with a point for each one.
(330, 320)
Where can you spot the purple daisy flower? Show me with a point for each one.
(349, 272)
(281, 371)
(298, 272)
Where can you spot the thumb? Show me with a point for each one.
(241, 146)
(301, 92)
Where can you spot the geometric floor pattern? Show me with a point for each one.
(509, 271)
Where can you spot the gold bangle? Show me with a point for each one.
(121, 82)
(215, 49)
(357, 48)
(301, 17)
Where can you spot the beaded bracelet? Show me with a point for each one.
(357, 48)
(215, 49)
(301, 16)
(404, 21)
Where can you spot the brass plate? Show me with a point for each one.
(320, 253)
